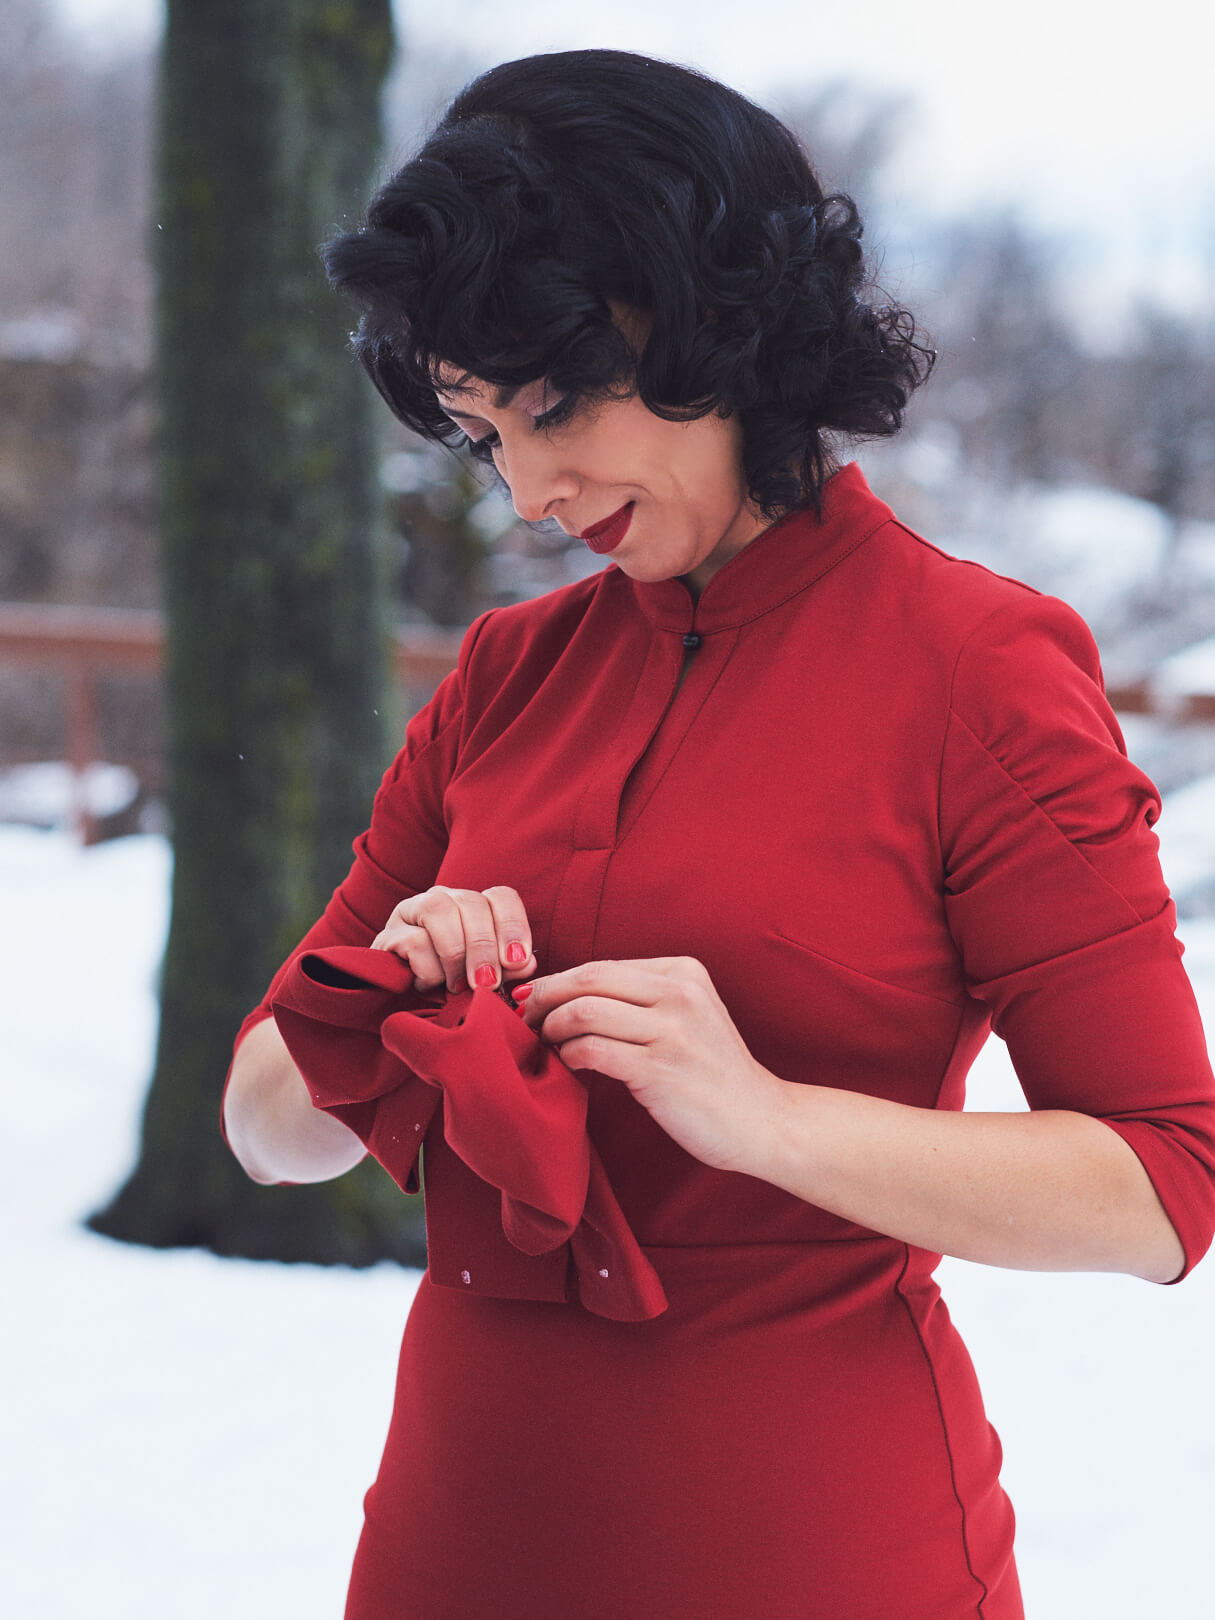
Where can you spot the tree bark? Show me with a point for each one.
(273, 583)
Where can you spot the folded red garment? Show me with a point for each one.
(381, 1056)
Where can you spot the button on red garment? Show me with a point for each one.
(380, 1055)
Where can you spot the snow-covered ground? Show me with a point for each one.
(186, 1438)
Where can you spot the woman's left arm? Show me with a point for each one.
(1052, 1190)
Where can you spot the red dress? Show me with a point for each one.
(887, 805)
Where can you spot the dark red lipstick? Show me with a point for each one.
(606, 536)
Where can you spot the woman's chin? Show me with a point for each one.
(647, 570)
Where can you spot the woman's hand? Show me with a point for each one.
(460, 937)
(659, 1026)
(1045, 1191)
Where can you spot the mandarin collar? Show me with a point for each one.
(778, 564)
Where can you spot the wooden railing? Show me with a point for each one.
(86, 644)
(1147, 696)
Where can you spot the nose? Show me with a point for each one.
(538, 477)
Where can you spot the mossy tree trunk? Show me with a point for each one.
(273, 581)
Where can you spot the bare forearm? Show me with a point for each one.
(1049, 1191)
(273, 1129)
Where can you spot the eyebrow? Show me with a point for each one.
(502, 398)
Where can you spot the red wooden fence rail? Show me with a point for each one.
(84, 644)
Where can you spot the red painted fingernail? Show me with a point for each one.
(515, 953)
(459, 987)
(522, 991)
(485, 978)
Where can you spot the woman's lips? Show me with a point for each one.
(606, 536)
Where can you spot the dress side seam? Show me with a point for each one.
(984, 1591)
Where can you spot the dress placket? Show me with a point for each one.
(658, 717)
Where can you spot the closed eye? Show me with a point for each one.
(483, 445)
(556, 414)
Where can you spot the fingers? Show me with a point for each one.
(514, 934)
(414, 947)
(643, 983)
(622, 1060)
(459, 937)
(589, 1025)
(428, 932)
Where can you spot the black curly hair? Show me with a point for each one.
(557, 185)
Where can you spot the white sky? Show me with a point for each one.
(1094, 118)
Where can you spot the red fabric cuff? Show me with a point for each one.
(1112, 1030)
(382, 1056)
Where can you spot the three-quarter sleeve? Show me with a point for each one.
(1055, 898)
(400, 852)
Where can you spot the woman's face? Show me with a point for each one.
(673, 491)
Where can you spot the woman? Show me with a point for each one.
(784, 808)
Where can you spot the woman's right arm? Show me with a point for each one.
(272, 1127)
(266, 1114)
(268, 1117)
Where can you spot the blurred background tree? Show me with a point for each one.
(273, 578)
